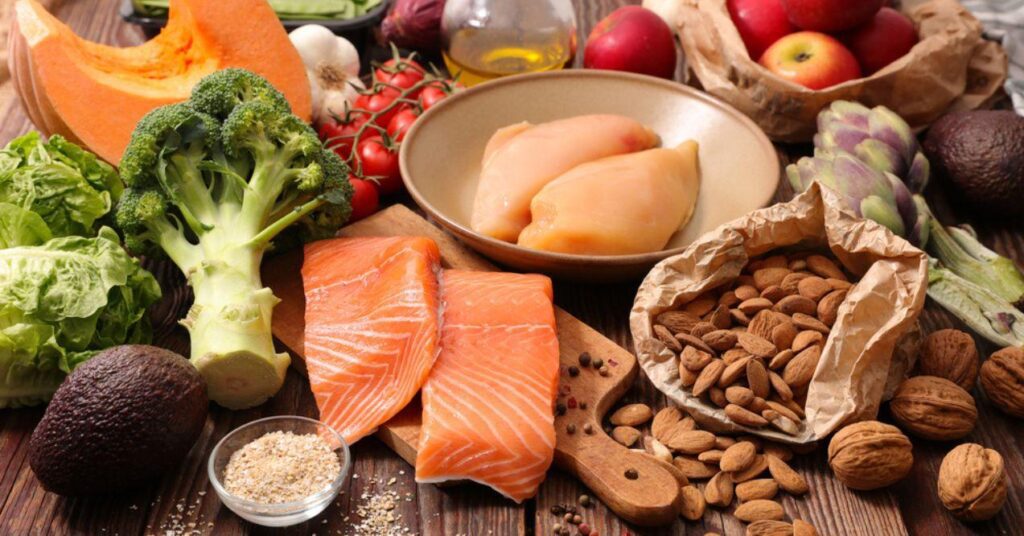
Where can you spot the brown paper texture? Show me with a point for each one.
(857, 365)
(951, 68)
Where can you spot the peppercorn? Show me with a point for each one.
(577, 519)
(585, 359)
(560, 409)
(632, 474)
(568, 518)
(570, 428)
(556, 529)
(597, 363)
(588, 428)
(557, 510)
(584, 529)
(604, 371)
(585, 500)
(583, 405)
(574, 371)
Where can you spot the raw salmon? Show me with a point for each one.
(488, 403)
(371, 327)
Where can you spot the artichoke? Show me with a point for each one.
(877, 136)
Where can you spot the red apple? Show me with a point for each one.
(632, 39)
(811, 59)
(884, 39)
(760, 23)
(830, 15)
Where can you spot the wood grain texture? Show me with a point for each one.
(910, 507)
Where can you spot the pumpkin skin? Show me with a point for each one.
(94, 94)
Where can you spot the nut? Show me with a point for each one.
(949, 354)
(757, 378)
(713, 456)
(708, 377)
(677, 321)
(738, 457)
(870, 455)
(686, 376)
(759, 510)
(813, 287)
(824, 267)
(665, 336)
(788, 479)
(800, 369)
(739, 395)
(657, 449)
(664, 422)
(717, 396)
(759, 466)
(746, 292)
(761, 488)
(742, 416)
(1002, 378)
(774, 293)
(701, 305)
(720, 340)
(828, 307)
(796, 304)
(702, 328)
(764, 323)
(766, 277)
(782, 358)
(806, 339)
(733, 372)
(626, 435)
(755, 344)
(803, 321)
(779, 385)
(719, 490)
(754, 305)
(632, 415)
(783, 335)
(933, 408)
(693, 468)
(803, 528)
(693, 503)
(692, 441)
(694, 341)
(791, 283)
(693, 359)
(769, 527)
(972, 482)
(724, 442)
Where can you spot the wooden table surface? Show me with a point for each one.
(184, 502)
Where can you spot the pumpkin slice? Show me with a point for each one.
(94, 94)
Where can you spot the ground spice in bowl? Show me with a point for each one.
(280, 467)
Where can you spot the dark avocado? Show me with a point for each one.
(121, 419)
(981, 155)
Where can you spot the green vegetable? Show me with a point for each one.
(60, 303)
(210, 182)
(285, 9)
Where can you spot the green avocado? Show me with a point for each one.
(119, 420)
(981, 155)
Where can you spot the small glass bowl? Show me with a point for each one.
(279, 514)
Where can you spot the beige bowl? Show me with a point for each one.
(441, 155)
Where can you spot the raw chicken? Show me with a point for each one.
(520, 159)
(618, 205)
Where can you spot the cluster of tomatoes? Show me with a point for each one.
(369, 134)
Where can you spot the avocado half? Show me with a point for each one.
(980, 154)
(119, 420)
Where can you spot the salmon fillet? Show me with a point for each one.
(488, 403)
(371, 327)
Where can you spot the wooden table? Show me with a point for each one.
(184, 502)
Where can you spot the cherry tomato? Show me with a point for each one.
(380, 165)
(401, 73)
(431, 95)
(341, 136)
(374, 102)
(401, 123)
(365, 199)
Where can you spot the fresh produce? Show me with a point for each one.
(632, 39)
(981, 155)
(94, 95)
(760, 23)
(332, 66)
(522, 158)
(593, 208)
(490, 314)
(65, 292)
(285, 9)
(121, 420)
(380, 162)
(888, 36)
(365, 199)
(830, 15)
(210, 183)
(949, 354)
(811, 59)
(371, 327)
(933, 408)
(971, 281)
(414, 24)
(1002, 379)
(869, 455)
(972, 482)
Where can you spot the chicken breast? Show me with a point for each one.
(618, 205)
(520, 159)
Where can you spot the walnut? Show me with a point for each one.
(933, 408)
(1002, 378)
(870, 455)
(972, 482)
(950, 354)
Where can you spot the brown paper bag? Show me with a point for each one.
(857, 365)
(951, 68)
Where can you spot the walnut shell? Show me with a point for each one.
(1002, 378)
(972, 482)
(870, 455)
(933, 408)
(950, 354)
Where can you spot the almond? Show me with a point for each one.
(791, 405)
(708, 377)
(713, 456)
(717, 396)
(744, 417)
(813, 287)
(759, 466)
(774, 293)
(665, 336)
(733, 372)
(754, 305)
(724, 442)
(800, 370)
(797, 265)
(796, 304)
(756, 345)
(702, 328)
(757, 405)
(739, 395)
(739, 317)
(694, 359)
(789, 480)
(779, 385)
(766, 277)
(686, 376)
(761, 488)
(803, 528)
(728, 299)
(783, 410)
(693, 503)
(693, 468)
(803, 321)
(783, 357)
(763, 323)
(720, 340)
(770, 527)
(626, 435)
(664, 422)
(791, 283)
(757, 378)
(694, 340)
(632, 415)
(778, 450)
(824, 267)
(734, 355)
(828, 307)
(701, 305)
(720, 317)
(719, 490)
(807, 338)
(692, 441)
(783, 335)
(677, 321)
(774, 261)
(738, 457)
(839, 284)
(758, 510)
(746, 292)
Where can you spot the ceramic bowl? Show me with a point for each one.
(440, 157)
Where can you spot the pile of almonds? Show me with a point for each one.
(751, 348)
(746, 469)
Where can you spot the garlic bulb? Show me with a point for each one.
(332, 66)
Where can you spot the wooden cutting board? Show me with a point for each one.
(651, 498)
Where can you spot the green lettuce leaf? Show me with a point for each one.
(20, 227)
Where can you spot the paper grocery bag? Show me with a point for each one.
(951, 68)
(868, 351)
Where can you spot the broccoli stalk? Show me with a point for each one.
(211, 182)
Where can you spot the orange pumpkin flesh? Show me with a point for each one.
(94, 94)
